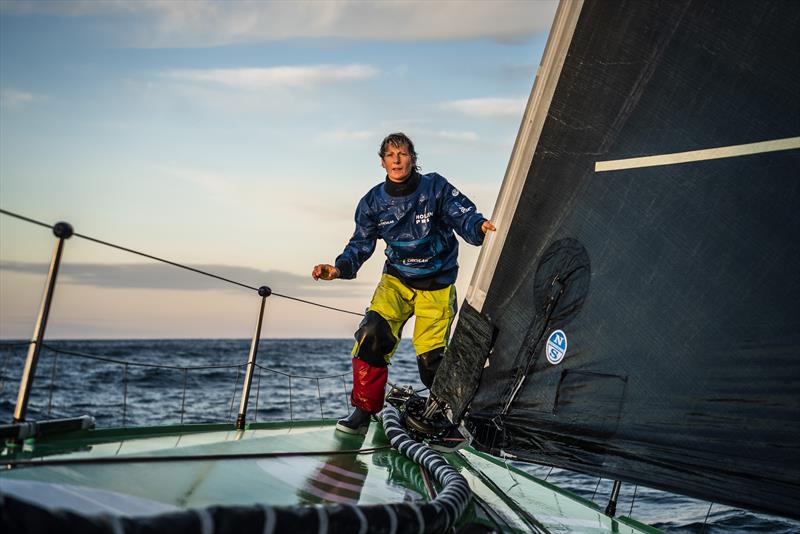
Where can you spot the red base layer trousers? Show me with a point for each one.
(369, 386)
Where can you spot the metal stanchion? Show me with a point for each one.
(62, 231)
(611, 509)
(264, 292)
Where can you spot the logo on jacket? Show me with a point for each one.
(455, 192)
(384, 223)
(423, 218)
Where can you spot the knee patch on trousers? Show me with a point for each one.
(375, 339)
(428, 364)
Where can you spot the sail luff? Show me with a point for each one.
(555, 52)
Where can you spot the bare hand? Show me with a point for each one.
(325, 271)
(487, 226)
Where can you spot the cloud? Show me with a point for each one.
(14, 99)
(488, 108)
(254, 79)
(466, 136)
(348, 135)
(281, 91)
(73, 8)
(162, 276)
(217, 22)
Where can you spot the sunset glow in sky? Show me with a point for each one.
(236, 137)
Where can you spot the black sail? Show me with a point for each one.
(674, 283)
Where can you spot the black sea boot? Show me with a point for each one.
(428, 363)
(355, 423)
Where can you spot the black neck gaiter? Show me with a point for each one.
(404, 188)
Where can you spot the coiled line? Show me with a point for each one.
(439, 515)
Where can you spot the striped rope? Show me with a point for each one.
(455, 494)
(436, 516)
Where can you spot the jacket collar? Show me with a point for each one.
(404, 188)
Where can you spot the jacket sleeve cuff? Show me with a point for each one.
(478, 231)
(345, 272)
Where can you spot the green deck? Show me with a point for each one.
(511, 497)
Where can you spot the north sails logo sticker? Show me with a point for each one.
(556, 347)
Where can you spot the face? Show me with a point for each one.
(398, 162)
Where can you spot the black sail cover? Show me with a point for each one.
(666, 296)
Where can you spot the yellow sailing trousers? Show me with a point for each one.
(434, 311)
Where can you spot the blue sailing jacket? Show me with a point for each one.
(418, 231)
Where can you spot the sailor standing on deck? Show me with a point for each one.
(415, 214)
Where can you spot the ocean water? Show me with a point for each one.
(149, 382)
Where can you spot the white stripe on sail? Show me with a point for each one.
(698, 155)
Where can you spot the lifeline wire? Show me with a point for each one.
(705, 521)
(138, 364)
(179, 265)
(633, 500)
(125, 365)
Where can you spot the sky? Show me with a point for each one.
(236, 137)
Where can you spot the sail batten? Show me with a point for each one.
(699, 155)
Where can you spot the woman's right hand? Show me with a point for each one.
(325, 271)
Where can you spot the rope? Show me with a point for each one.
(455, 492)
(179, 265)
(185, 370)
(186, 457)
(633, 500)
(15, 344)
(319, 396)
(317, 304)
(52, 384)
(493, 516)
(325, 377)
(346, 396)
(137, 364)
(291, 410)
(124, 393)
(595, 488)
(22, 218)
(533, 525)
(258, 392)
(235, 383)
(162, 260)
(705, 521)
(183, 396)
(439, 515)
